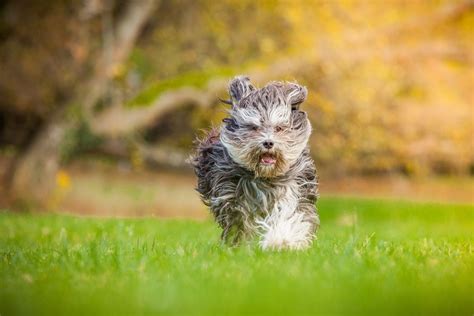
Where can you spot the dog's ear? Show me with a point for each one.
(295, 94)
(239, 87)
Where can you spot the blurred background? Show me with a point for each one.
(100, 100)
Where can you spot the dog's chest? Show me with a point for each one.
(261, 197)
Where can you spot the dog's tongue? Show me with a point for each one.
(268, 159)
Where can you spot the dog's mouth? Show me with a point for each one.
(268, 159)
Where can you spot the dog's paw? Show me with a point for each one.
(277, 238)
(286, 231)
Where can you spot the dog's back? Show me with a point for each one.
(208, 152)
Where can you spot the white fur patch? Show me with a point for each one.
(285, 227)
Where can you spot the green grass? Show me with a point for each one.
(371, 257)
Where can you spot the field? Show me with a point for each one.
(371, 257)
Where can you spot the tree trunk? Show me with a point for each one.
(33, 177)
(35, 169)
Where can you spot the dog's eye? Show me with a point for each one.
(278, 129)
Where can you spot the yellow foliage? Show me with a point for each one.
(63, 180)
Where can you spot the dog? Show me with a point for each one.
(255, 172)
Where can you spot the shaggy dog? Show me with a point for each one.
(255, 172)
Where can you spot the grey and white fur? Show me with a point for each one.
(255, 172)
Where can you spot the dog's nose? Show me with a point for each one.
(268, 144)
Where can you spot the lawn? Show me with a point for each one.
(371, 257)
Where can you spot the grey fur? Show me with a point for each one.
(241, 189)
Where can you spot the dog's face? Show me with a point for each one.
(266, 131)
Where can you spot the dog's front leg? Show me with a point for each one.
(288, 226)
